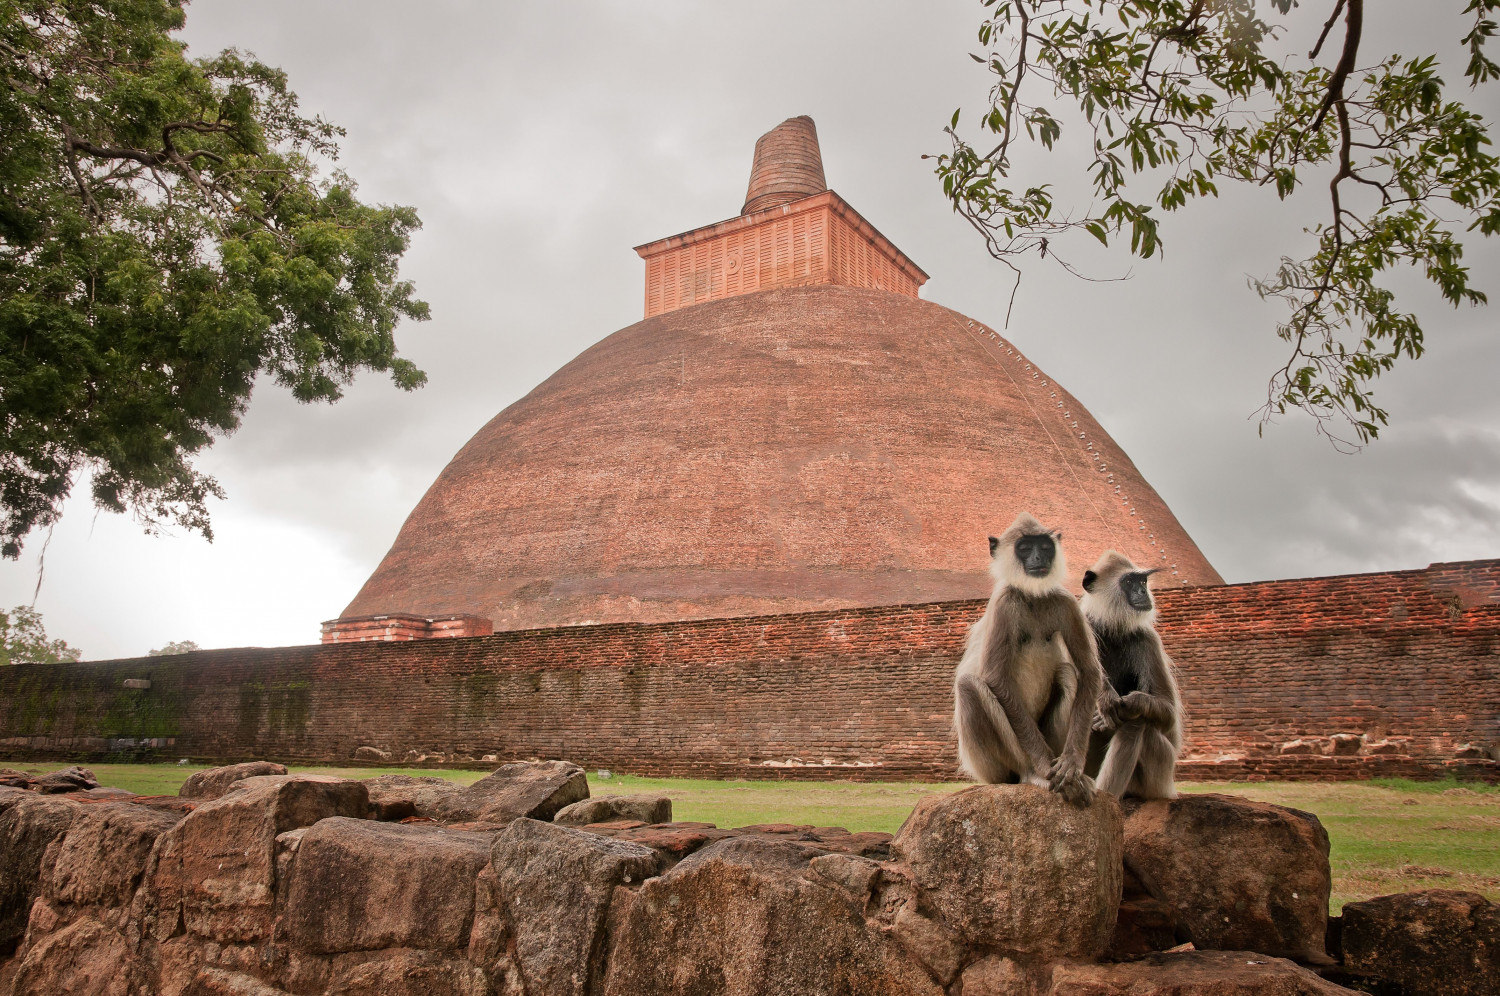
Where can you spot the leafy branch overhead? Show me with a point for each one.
(169, 230)
(1182, 95)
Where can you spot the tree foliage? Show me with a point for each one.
(23, 640)
(170, 228)
(1182, 95)
(174, 648)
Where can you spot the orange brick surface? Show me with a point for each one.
(795, 449)
(819, 239)
(788, 165)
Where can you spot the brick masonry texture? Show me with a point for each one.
(792, 232)
(816, 240)
(789, 429)
(788, 165)
(403, 627)
(798, 449)
(856, 693)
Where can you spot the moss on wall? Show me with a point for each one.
(274, 711)
(84, 700)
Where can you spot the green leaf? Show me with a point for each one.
(1181, 96)
(170, 230)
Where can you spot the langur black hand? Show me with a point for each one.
(1068, 780)
(1105, 720)
(1117, 713)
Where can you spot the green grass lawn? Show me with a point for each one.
(1387, 836)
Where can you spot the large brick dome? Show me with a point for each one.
(797, 448)
(791, 428)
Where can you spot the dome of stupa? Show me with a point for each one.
(791, 428)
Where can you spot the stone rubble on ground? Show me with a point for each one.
(255, 882)
(1438, 942)
(536, 790)
(66, 780)
(1239, 874)
(214, 782)
(609, 808)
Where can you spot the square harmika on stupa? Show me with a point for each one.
(789, 428)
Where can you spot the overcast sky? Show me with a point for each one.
(540, 142)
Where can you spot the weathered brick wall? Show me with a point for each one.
(861, 693)
(1402, 654)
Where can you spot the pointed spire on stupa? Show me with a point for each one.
(788, 166)
(792, 232)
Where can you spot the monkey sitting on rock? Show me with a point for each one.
(1138, 730)
(1027, 688)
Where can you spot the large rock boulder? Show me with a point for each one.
(64, 780)
(675, 841)
(1190, 973)
(1438, 942)
(997, 975)
(418, 795)
(218, 982)
(214, 782)
(1241, 875)
(1014, 868)
(357, 885)
(83, 958)
(413, 973)
(649, 809)
(1147, 921)
(551, 888)
(29, 823)
(534, 789)
(747, 916)
(77, 925)
(214, 872)
(100, 860)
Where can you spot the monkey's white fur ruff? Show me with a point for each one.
(1110, 611)
(1106, 607)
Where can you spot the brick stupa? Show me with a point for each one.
(790, 428)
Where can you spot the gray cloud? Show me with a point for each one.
(541, 142)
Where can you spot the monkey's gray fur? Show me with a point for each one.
(1027, 688)
(1138, 731)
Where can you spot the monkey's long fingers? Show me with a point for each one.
(1068, 780)
(1077, 790)
(1079, 793)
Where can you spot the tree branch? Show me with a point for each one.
(170, 157)
(1353, 25)
(1326, 28)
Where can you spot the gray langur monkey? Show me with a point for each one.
(1028, 685)
(1138, 731)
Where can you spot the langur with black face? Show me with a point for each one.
(1028, 684)
(1138, 731)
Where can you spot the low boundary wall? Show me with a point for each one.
(1410, 660)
